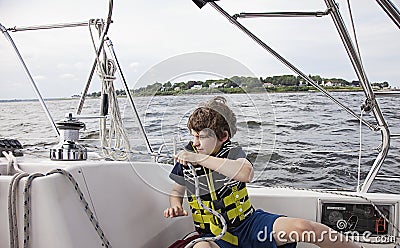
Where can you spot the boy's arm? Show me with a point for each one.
(175, 202)
(239, 169)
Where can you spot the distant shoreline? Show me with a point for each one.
(200, 92)
(36, 100)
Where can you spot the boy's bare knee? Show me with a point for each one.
(205, 245)
(309, 231)
(301, 225)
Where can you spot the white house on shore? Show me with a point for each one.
(268, 85)
(196, 87)
(214, 85)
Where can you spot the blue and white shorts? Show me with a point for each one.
(255, 232)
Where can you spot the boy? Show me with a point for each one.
(223, 171)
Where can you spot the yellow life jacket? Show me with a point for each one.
(227, 196)
(235, 207)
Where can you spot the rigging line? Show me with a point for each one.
(33, 84)
(88, 191)
(354, 32)
(391, 10)
(86, 89)
(359, 157)
(141, 128)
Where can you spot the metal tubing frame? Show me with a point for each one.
(357, 65)
(288, 64)
(283, 14)
(356, 62)
(67, 25)
(35, 88)
(390, 10)
(104, 34)
(49, 26)
(130, 98)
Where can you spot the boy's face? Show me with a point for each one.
(205, 141)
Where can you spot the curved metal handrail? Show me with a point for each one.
(370, 104)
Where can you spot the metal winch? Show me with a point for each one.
(68, 148)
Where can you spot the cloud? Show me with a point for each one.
(80, 65)
(134, 64)
(178, 27)
(39, 77)
(67, 76)
(63, 66)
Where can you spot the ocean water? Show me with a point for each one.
(293, 139)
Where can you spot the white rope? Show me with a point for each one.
(13, 169)
(12, 202)
(28, 207)
(12, 163)
(218, 215)
(116, 135)
(85, 205)
(12, 208)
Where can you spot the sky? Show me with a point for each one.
(147, 33)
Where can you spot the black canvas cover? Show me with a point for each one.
(201, 3)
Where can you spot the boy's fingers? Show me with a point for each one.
(169, 210)
(166, 213)
(177, 211)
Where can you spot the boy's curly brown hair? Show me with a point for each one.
(214, 115)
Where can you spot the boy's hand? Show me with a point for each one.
(175, 212)
(184, 157)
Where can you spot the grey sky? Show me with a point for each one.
(144, 33)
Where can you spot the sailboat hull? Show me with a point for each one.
(128, 199)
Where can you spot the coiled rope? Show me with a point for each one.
(12, 204)
(218, 215)
(116, 135)
(27, 206)
(12, 208)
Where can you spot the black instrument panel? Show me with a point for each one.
(357, 217)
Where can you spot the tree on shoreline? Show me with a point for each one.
(240, 84)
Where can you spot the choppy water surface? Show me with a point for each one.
(294, 139)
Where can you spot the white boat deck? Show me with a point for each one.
(128, 200)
